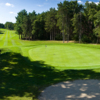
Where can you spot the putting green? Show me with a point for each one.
(67, 56)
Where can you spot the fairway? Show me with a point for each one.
(28, 66)
(56, 54)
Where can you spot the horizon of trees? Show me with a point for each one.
(72, 21)
(2, 25)
(7, 25)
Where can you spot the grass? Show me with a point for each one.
(67, 56)
(27, 67)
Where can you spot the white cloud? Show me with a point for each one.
(79, 1)
(39, 5)
(8, 4)
(42, 4)
(96, 3)
(12, 13)
(90, 1)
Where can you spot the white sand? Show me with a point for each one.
(72, 90)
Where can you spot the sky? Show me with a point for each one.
(10, 8)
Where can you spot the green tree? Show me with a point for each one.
(31, 19)
(97, 25)
(65, 13)
(2, 25)
(9, 25)
(50, 23)
(21, 23)
(38, 28)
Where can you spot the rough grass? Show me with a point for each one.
(26, 68)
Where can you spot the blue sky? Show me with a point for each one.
(10, 8)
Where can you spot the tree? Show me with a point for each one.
(89, 12)
(9, 25)
(31, 19)
(21, 23)
(50, 23)
(65, 13)
(70, 21)
(97, 25)
(2, 25)
(38, 27)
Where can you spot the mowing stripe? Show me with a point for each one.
(21, 43)
(13, 35)
(6, 39)
(13, 42)
(2, 37)
(10, 35)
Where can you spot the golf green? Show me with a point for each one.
(67, 56)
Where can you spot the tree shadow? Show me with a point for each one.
(19, 75)
(1, 32)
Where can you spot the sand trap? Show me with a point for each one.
(73, 90)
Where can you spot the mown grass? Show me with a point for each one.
(23, 78)
(67, 56)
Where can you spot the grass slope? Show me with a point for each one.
(27, 67)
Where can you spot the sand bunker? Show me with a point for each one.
(72, 90)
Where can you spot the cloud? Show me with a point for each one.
(79, 1)
(12, 13)
(8, 4)
(94, 2)
(39, 5)
(90, 1)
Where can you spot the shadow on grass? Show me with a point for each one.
(19, 76)
(1, 32)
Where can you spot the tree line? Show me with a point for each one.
(7, 25)
(71, 21)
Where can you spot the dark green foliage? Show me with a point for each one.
(50, 23)
(9, 25)
(39, 31)
(2, 25)
(21, 25)
(31, 19)
(72, 21)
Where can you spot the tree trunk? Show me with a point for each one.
(50, 35)
(68, 37)
(63, 36)
(29, 36)
(19, 36)
(80, 29)
(80, 35)
(80, 38)
(54, 33)
(97, 40)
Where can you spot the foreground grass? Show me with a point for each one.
(23, 78)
